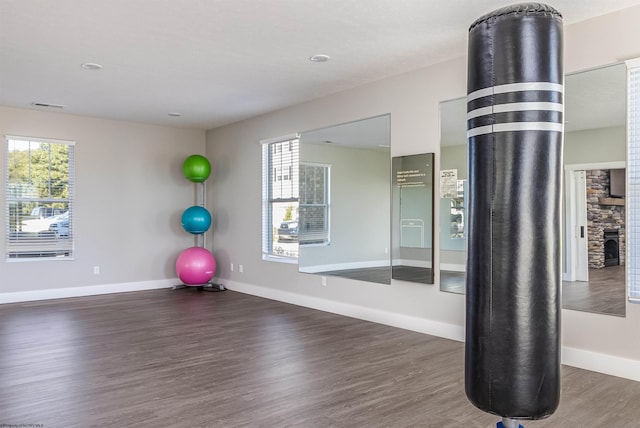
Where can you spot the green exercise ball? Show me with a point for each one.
(196, 168)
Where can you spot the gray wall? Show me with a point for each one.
(412, 99)
(130, 195)
(595, 145)
(361, 176)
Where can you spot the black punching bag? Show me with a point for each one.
(515, 127)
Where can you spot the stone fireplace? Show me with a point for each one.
(605, 222)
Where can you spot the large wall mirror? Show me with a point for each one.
(594, 240)
(412, 218)
(356, 165)
(345, 205)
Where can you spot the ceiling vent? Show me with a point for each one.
(45, 105)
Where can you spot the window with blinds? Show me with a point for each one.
(39, 181)
(633, 180)
(280, 198)
(314, 204)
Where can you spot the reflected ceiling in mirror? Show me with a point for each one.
(356, 158)
(595, 138)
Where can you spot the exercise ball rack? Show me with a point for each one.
(196, 265)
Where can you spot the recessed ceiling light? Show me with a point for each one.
(175, 114)
(319, 58)
(91, 66)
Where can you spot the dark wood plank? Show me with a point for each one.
(187, 358)
(604, 293)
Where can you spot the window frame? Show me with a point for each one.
(29, 246)
(271, 174)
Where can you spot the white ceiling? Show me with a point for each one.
(221, 61)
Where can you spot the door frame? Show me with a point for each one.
(570, 216)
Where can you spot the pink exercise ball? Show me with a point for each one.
(195, 266)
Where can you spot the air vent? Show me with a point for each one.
(45, 105)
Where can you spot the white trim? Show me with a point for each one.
(451, 267)
(280, 139)
(91, 290)
(601, 363)
(569, 220)
(40, 140)
(394, 319)
(345, 266)
(595, 165)
(412, 263)
(632, 63)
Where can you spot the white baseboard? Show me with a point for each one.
(91, 290)
(601, 363)
(412, 263)
(596, 362)
(394, 319)
(452, 267)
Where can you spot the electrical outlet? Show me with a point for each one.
(324, 281)
(240, 268)
(231, 267)
(96, 270)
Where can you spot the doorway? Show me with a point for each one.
(576, 248)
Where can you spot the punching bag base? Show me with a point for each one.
(509, 423)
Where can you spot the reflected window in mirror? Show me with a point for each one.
(314, 204)
(280, 198)
(633, 179)
(349, 187)
(458, 212)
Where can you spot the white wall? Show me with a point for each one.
(595, 145)
(609, 344)
(358, 175)
(130, 195)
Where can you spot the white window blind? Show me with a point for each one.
(39, 189)
(314, 204)
(633, 180)
(280, 197)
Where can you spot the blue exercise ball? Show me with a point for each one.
(196, 219)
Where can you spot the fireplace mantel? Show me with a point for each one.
(611, 201)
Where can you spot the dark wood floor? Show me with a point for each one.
(604, 293)
(412, 274)
(380, 275)
(383, 275)
(185, 358)
(452, 282)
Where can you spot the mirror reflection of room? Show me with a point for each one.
(452, 193)
(357, 243)
(412, 218)
(594, 197)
